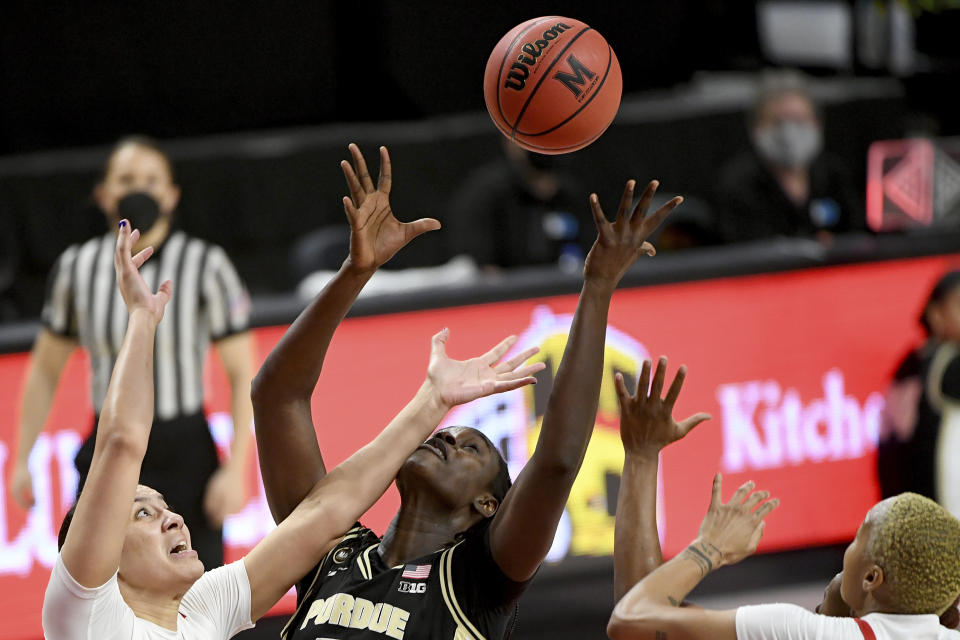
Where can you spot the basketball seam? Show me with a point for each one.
(503, 62)
(584, 105)
(545, 74)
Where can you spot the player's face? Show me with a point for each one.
(458, 463)
(157, 555)
(132, 169)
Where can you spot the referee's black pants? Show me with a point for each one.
(181, 457)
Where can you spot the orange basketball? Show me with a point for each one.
(552, 85)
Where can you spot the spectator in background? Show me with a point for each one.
(786, 185)
(521, 210)
(919, 448)
(84, 308)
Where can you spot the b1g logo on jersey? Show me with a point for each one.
(412, 587)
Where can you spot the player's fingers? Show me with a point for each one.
(657, 387)
(653, 221)
(715, 498)
(766, 508)
(350, 210)
(598, 218)
(523, 372)
(643, 382)
(741, 493)
(356, 191)
(623, 211)
(640, 211)
(385, 181)
(360, 165)
(165, 292)
(510, 385)
(132, 240)
(687, 425)
(623, 396)
(491, 357)
(438, 344)
(419, 227)
(755, 498)
(674, 391)
(516, 360)
(142, 257)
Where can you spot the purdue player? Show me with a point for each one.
(462, 548)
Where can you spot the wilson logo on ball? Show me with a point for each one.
(520, 70)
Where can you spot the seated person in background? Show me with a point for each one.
(920, 432)
(524, 210)
(786, 185)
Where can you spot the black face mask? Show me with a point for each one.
(140, 209)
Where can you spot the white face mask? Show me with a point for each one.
(789, 144)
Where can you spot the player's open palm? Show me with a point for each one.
(375, 233)
(646, 419)
(136, 294)
(460, 381)
(733, 530)
(621, 242)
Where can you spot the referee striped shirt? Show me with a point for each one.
(209, 302)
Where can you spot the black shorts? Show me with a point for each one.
(181, 457)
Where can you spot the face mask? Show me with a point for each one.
(140, 209)
(789, 144)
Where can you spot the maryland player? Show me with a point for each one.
(463, 547)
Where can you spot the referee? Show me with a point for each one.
(210, 304)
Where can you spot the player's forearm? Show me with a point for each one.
(572, 406)
(360, 480)
(665, 587)
(636, 550)
(127, 412)
(293, 367)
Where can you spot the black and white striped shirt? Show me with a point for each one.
(209, 302)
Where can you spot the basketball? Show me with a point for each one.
(552, 85)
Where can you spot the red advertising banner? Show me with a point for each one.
(792, 366)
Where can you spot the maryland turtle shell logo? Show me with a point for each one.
(513, 420)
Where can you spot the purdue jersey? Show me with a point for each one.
(456, 593)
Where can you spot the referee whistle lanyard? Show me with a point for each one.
(865, 629)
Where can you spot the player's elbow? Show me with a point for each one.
(619, 628)
(122, 442)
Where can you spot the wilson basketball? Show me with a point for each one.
(552, 85)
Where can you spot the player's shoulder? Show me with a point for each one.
(353, 542)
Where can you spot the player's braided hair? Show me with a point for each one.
(915, 541)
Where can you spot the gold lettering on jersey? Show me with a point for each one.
(344, 610)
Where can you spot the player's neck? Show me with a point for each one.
(161, 611)
(416, 531)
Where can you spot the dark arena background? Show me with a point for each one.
(255, 106)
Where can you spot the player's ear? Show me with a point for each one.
(486, 504)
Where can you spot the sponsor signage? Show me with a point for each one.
(792, 366)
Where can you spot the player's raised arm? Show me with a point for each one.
(343, 495)
(91, 551)
(524, 526)
(646, 427)
(290, 459)
(729, 533)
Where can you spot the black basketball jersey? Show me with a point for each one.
(456, 593)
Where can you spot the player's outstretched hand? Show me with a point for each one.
(646, 419)
(460, 381)
(136, 294)
(733, 530)
(621, 242)
(375, 234)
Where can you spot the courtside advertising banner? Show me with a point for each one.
(792, 366)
